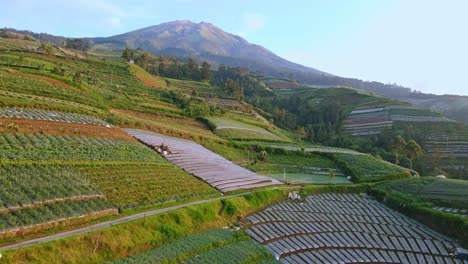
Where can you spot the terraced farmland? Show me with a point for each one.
(204, 164)
(299, 168)
(135, 185)
(232, 129)
(51, 116)
(48, 147)
(213, 246)
(371, 121)
(36, 196)
(431, 188)
(448, 144)
(313, 148)
(365, 168)
(346, 228)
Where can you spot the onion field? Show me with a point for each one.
(50, 116)
(48, 147)
(42, 194)
(346, 228)
(143, 184)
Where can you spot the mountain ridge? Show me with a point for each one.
(203, 41)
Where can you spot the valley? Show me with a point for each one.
(139, 157)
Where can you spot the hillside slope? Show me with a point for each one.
(203, 41)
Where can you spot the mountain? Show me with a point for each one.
(202, 41)
(206, 42)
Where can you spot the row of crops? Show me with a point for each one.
(299, 169)
(21, 83)
(365, 168)
(50, 213)
(10, 99)
(148, 183)
(346, 228)
(372, 121)
(213, 246)
(89, 82)
(23, 185)
(37, 194)
(49, 147)
(430, 188)
(233, 129)
(50, 116)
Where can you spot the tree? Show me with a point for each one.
(331, 175)
(205, 71)
(398, 146)
(233, 88)
(193, 70)
(127, 54)
(88, 45)
(413, 150)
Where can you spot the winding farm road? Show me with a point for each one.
(103, 225)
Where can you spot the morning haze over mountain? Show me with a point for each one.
(260, 132)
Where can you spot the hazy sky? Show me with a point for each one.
(421, 44)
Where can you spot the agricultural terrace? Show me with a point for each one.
(431, 188)
(96, 83)
(212, 246)
(346, 228)
(22, 101)
(23, 83)
(311, 148)
(232, 129)
(28, 126)
(142, 184)
(225, 103)
(365, 168)
(204, 164)
(56, 147)
(37, 197)
(167, 124)
(299, 168)
(50, 116)
(453, 142)
(145, 77)
(371, 121)
(194, 87)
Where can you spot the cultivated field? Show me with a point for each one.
(35, 197)
(346, 228)
(139, 184)
(213, 246)
(50, 116)
(365, 168)
(371, 121)
(233, 129)
(431, 188)
(49, 147)
(204, 164)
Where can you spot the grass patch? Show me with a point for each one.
(142, 235)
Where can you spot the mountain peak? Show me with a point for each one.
(202, 41)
